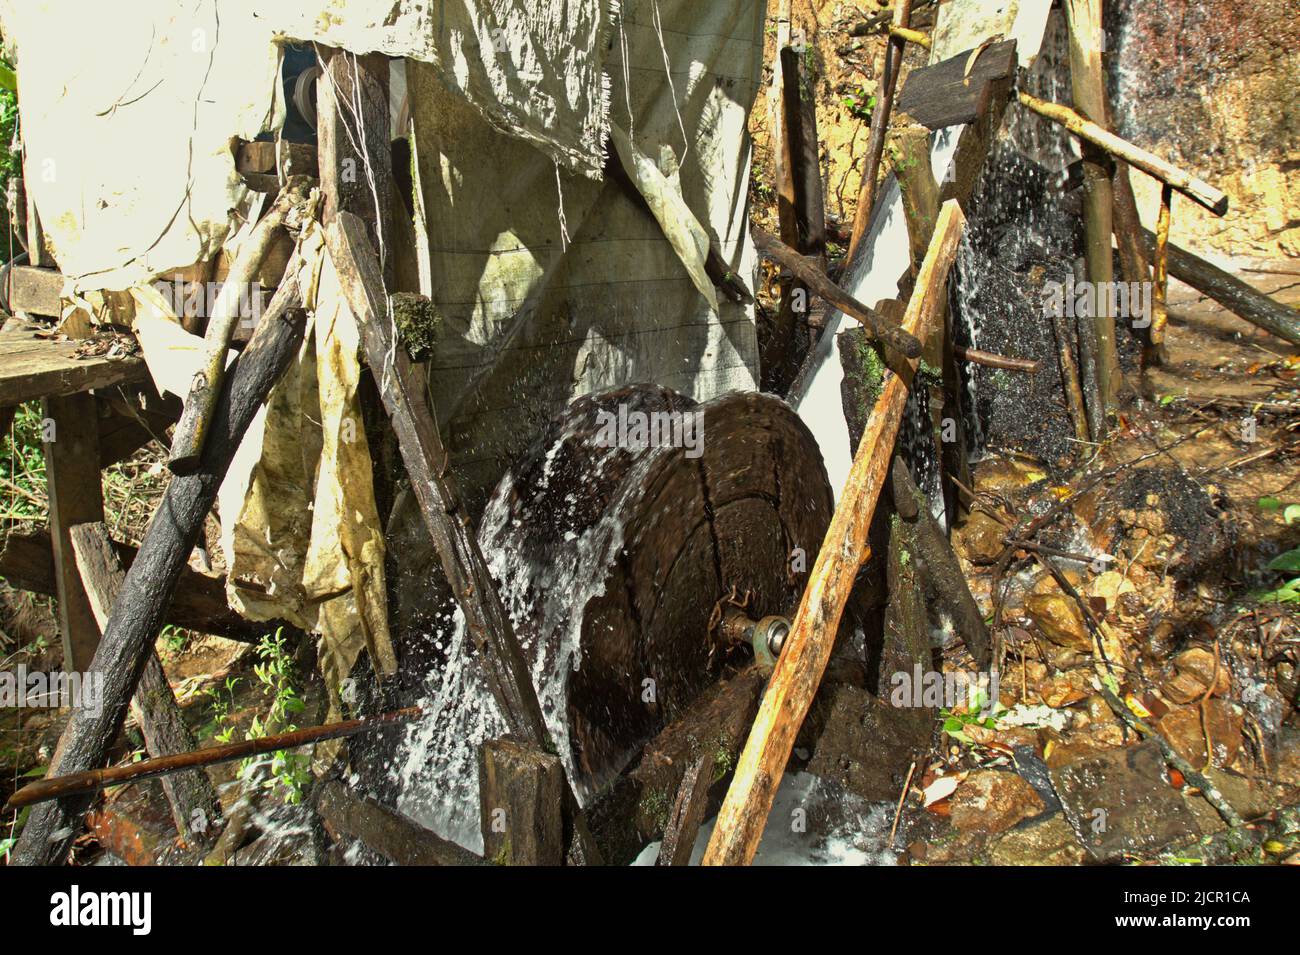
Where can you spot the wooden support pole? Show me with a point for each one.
(879, 123)
(392, 835)
(237, 290)
(193, 800)
(1195, 189)
(1088, 84)
(1229, 291)
(521, 799)
(76, 492)
(808, 648)
(58, 787)
(943, 578)
(1069, 370)
(809, 271)
(142, 604)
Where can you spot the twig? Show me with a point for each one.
(902, 797)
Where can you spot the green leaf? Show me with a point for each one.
(1290, 561)
(1269, 503)
(1291, 514)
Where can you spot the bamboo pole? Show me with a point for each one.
(808, 270)
(808, 648)
(910, 36)
(1088, 85)
(1193, 188)
(1160, 293)
(196, 418)
(56, 787)
(902, 15)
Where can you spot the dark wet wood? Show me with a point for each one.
(347, 813)
(190, 794)
(521, 800)
(946, 94)
(199, 602)
(147, 590)
(688, 813)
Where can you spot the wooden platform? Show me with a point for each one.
(34, 367)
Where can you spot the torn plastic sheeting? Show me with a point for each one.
(128, 111)
(552, 286)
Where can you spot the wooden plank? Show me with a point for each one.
(946, 94)
(521, 795)
(36, 291)
(293, 159)
(76, 494)
(688, 813)
(808, 648)
(33, 367)
(193, 800)
(199, 604)
(389, 833)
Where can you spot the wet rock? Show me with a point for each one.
(992, 801)
(1194, 671)
(1064, 689)
(980, 538)
(1252, 798)
(1166, 517)
(1182, 728)
(867, 746)
(1121, 802)
(1092, 741)
(1059, 619)
(1049, 842)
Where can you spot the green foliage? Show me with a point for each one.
(859, 104)
(290, 772)
(22, 467)
(1287, 563)
(8, 122)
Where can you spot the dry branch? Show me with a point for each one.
(94, 780)
(808, 271)
(196, 419)
(808, 648)
(1195, 189)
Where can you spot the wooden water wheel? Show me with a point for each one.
(687, 530)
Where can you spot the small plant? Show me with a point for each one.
(859, 103)
(290, 772)
(174, 639)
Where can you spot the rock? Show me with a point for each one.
(867, 746)
(1093, 741)
(1121, 802)
(1049, 842)
(979, 538)
(992, 801)
(1195, 671)
(1252, 798)
(1059, 619)
(1182, 728)
(1067, 688)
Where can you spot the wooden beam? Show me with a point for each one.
(76, 493)
(1193, 188)
(1230, 292)
(958, 90)
(36, 291)
(263, 156)
(397, 838)
(198, 604)
(142, 604)
(193, 800)
(521, 799)
(1087, 80)
(808, 648)
(688, 813)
